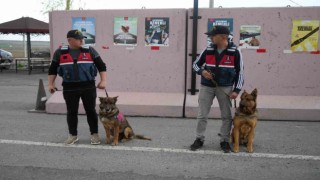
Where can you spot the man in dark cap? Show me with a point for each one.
(221, 68)
(78, 65)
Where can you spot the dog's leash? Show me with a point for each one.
(216, 85)
(106, 92)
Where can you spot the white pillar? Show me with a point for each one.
(24, 45)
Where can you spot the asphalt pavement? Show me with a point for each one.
(31, 145)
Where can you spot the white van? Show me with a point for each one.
(5, 59)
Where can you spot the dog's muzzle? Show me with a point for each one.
(242, 103)
(105, 109)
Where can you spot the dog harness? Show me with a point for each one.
(120, 117)
(76, 70)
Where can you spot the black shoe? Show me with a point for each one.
(225, 147)
(196, 145)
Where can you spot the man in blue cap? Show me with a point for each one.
(221, 68)
(78, 64)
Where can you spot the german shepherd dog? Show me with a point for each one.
(245, 121)
(115, 123)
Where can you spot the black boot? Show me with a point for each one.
(198, 143)
(225, 147)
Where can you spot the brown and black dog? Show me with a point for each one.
(245, 121)
(115, 123)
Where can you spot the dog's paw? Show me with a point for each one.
(235, 149)
(250, 150)
(114, 144)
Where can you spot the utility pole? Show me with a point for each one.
(211, 3)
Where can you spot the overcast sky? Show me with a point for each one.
(14, 9)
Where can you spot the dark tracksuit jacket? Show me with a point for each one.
(227, 67)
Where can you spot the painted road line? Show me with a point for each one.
(169, 150)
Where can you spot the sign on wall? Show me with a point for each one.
(87, 25)
(305, 35)
(156, 31)
(250, 36)
(125, 31)
(221, 22)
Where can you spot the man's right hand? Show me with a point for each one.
(51, 85)
(206, 74)
(52, 89)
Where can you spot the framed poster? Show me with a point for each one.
(125, 31)
(305, 35)
(221, 22)
(157, 31)
(87, 25)
(250, 36)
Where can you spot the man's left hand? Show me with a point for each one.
(102, 85)
(233, 95)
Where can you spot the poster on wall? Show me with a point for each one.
(250, 36)
(87, 25)
(125, 31)
(305, 35)
(157, 31)
(221, 22)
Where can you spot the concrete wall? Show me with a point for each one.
(134, 69)
(144, 70)
(273, 72)
(151, 82)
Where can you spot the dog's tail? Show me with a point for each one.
(142, 137)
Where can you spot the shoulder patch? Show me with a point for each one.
(64, 47)
(86, 46)
(231, 50)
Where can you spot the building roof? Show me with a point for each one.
(24, 25)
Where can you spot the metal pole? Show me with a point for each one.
(29, 51)
(185, 67)
(194, 45)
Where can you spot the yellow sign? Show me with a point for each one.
(305, 35)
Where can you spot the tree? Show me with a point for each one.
(68, 4)
(50, 5)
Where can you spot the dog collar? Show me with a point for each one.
(238, 113)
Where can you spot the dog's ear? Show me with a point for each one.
(243, 94)
(254, 93)
(115, 99)
(101, 99)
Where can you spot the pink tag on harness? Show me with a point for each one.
(120, 117)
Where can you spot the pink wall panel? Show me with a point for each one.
(273, 72)
(144, 70)
(137, 69)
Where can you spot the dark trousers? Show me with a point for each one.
(72, 99)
